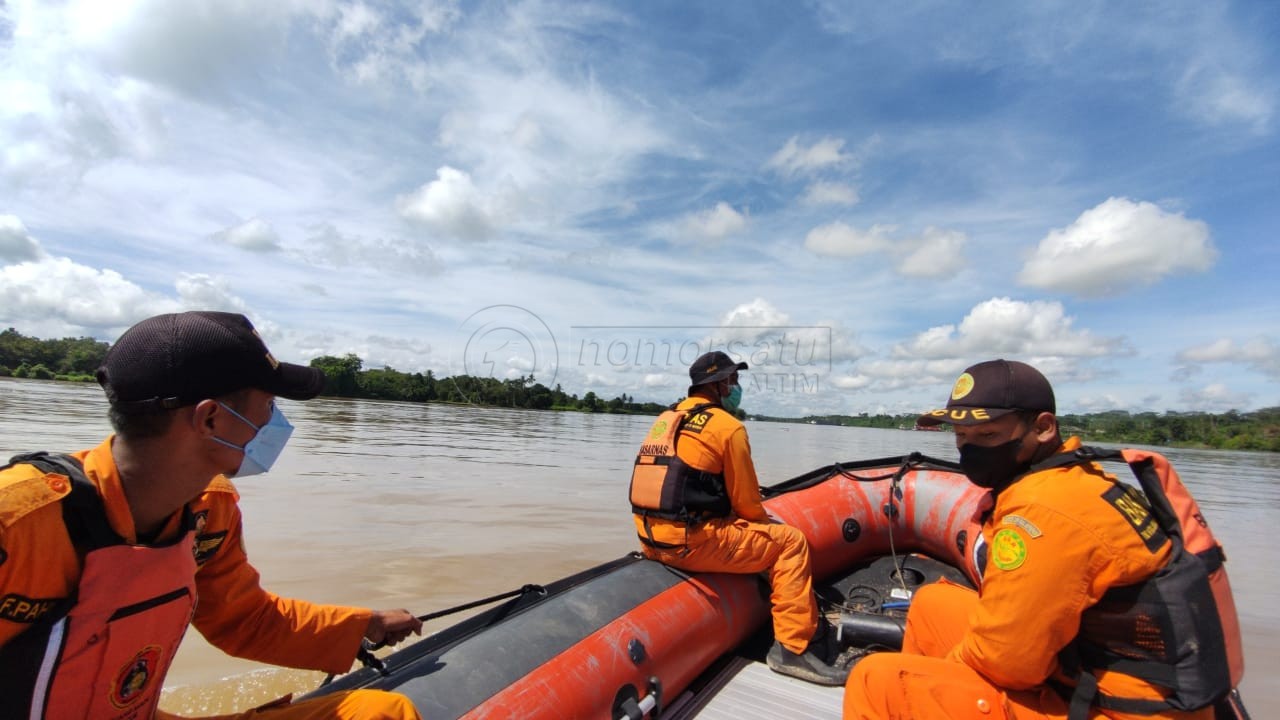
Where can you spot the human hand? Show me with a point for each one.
(388, 627)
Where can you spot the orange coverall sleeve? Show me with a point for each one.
(1027, 614)
(740, 478)
(239, 617)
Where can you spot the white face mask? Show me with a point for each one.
(261, 451)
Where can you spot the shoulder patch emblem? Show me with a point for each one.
(1022, 523)
(1008, 550)
(206, 546)
(697, 422)
(1132, 504)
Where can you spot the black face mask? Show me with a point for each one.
(992, 467)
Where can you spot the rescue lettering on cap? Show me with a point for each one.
(960, 414)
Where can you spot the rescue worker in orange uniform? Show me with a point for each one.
(1055, 542)
(728, 529)
(108, 554)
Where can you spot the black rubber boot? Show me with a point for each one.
(817, 664)
(806, 666)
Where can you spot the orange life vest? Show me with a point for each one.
(664, 486)
(105, 652)
(1178, 629)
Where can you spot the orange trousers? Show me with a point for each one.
(351, 705)
(919, 684)
(733, 545)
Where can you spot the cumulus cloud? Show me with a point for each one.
(254, 235)
(59, 293)
(840, 240)
(451, 205)
(1117, 245)
(1215, 397)
(1001, 326)
(717, 223)
(16, 245)
(1260, 354)
(327, 246)
(769, 339)
(936, 253)
(795, 159)
(830, 193)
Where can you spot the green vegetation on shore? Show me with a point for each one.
(76, 359)
(1232, 430)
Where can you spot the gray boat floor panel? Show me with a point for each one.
(749, 689)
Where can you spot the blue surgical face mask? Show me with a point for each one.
(731, 401)
(261, 451)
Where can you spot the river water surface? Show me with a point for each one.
(384, 504)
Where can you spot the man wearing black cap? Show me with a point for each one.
(106, 551)
(1057, 539)
(697, 507)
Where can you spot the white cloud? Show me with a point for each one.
(1215, 397)
(1117, 245)
(1260, 354)
(58, 293)
(830, 193)
(327, 246)
(937, 253)
(16, 245)
(717, 223)
(1001, 326)
(794, 159)
(1216, 93)
(450, 204)
(839, 240)
(255, 235)
(851, 382)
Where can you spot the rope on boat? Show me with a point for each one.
(368, 659)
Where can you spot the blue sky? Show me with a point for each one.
(859, 199)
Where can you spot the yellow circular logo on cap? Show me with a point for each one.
(963, 386)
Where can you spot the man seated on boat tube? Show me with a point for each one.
(697, 507)
(1043, 637)
(104, 553)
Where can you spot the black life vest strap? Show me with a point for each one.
(82, 509)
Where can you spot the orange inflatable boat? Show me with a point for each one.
(633, 638)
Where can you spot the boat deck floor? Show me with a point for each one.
(747, 688)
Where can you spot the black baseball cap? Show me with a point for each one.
(713, 366)
(169, 361)
(993, 389)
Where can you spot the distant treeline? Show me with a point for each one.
(65, 359)
(346, 377)
(77, 358)
(1232, 430)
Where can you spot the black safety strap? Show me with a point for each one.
(82, 509)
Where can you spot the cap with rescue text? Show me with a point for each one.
(993, 389)
(169, 361)
(713, 366)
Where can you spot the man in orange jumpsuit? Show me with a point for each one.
(103, 556)
(742, 538)
(1055, 542)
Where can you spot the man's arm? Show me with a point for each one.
(740, 478)
(241, 618)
